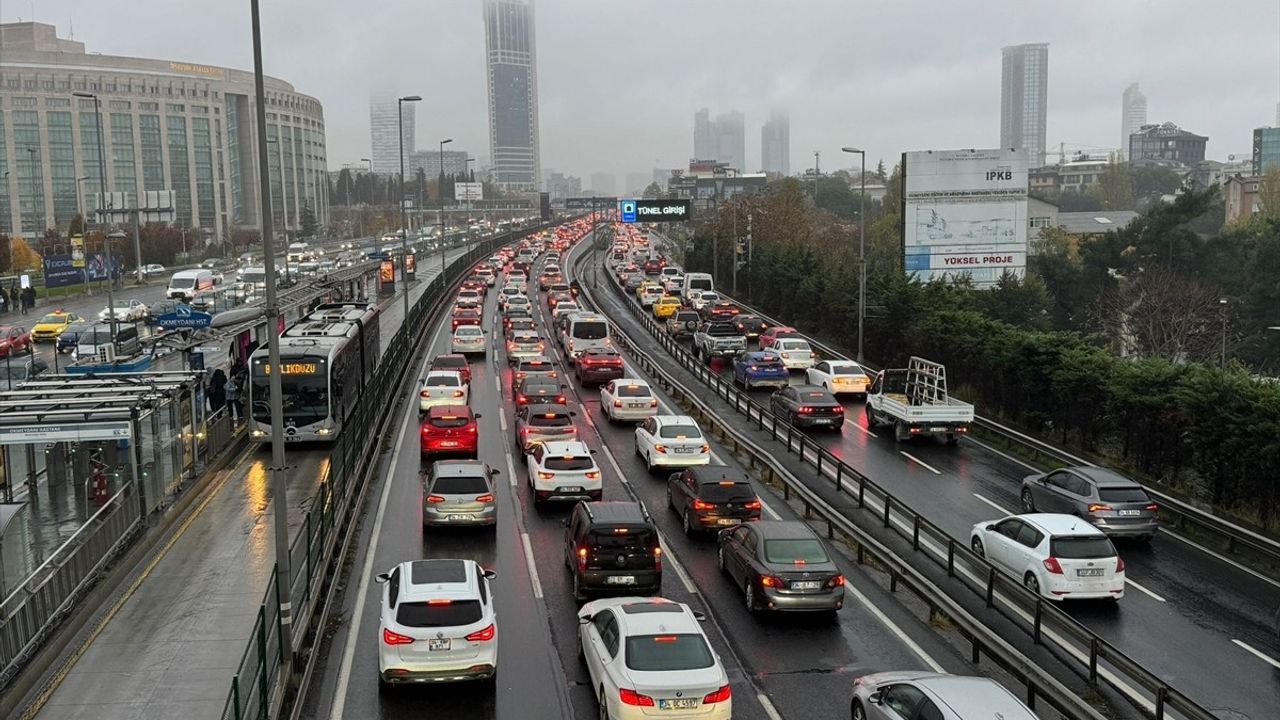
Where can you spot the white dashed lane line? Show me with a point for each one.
(919, 462)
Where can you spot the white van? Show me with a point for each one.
(695, 284)
(583, 331)
(186, 283)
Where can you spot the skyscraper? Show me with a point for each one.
(1133, 115)
(512, 81)
(384, 146)
(731, 140)
(775, 144)
(703, 145)
(1024, 88)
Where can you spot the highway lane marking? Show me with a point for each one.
(1219, 556)
(679, 567)
(98, 629)
(994, 504)
(534, 579)
(853, 424)
(1002, 454)
(911, 644)
(502, 418)
(362, 591)
(1140, 588)
(511, 468)
(918, 461)
(769, 709)
(1261, 655)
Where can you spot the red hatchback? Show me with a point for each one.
(456, 362)
(450, 430)
(772, 335)
(13, 340)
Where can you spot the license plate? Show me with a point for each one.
(458, 517)
(1130, 513)
(435, 644)
(806, 585)
(822, 421)
(620, 580)
(448, 443)
(1089, 572)
(682, 450)
(678, 704)
(636, 405)
(728, 521)
(574, 489)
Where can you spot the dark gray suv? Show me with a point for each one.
(1106, 499)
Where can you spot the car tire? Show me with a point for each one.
(1028, 502)
(749, 596)
(688, 526)
(856, 712)
(1030, 582)
(604, 706)
(720, 559)
(871, 418)
(648, 463)
(975, 545)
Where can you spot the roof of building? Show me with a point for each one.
(1099, 221)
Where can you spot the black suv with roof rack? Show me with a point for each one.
(612, 546)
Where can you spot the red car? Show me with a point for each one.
(465, 316)
(450, 430)
(477, 283)
(14, 339)
(456, 362)
(724, 311)
(774, 334)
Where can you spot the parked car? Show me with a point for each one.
(612, 545)
(1113, 503)
(920, 694)
(1058, 557)
(807, 406)
(711, 498)
(781, 565)
(459, 493)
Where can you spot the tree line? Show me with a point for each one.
(1111, 345)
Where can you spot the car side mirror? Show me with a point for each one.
(876, 697)
(584, 619)
(564, 522)
(990, 528)
(381, 577)
(489, 574)
(477, 416)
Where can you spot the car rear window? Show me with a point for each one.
(726, 491)
(535, 365)
(1082, 547)
(847, 370)
(443, 381)
(634, 539)
(438, 614)
(1123, 495)
(680, 431)
(450, 362)
(549, 420)
(570, 462)
(789, 551)
(448, 421)
(633, 391)
(659, 653)
(460, 485)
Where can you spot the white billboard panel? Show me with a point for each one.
(468, 191)
(965, 213)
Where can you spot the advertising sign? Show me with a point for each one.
(661, 210)
(77, 251)
(410, 264)
(183, 316)
(61, 271)
(628, 211)
(587, 203)
(965, 214)
(387, 271)
(468, 191)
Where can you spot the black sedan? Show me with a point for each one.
(751, 325)
(712, 498)
(781, 565)
(598, 365)
(808, 406)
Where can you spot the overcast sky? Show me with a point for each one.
(619, 80)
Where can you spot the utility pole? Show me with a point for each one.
(440, 192)
(862, 248)
(815, 177)
(404, 223)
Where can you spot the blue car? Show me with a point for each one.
(760, 369)
(69, 337)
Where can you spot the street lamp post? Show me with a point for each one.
(440, 192)
(368, 162)
(1222, 302)
(862, 246)
(404, 225)
(110, 244)
(465, 167)
(102, 169)
(35, 191)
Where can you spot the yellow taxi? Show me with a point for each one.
(666, 306)
(645, 285)
(52, 325)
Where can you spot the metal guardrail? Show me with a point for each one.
(1094, 658)
(1232, 538)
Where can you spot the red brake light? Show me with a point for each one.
(484, 498)
(771, 581)
(753, 505)
(1096, 507)
(702, 505)
(433, 499)
(394, 638)
(664, 638)
(593, 474)
(1119, 564)
(484, 635)
(617, 403)
(457, 393)
(721, 695)
(806, 409)
(835, 582)
(1051, 564)
(1152, 507)
(631, 697)
(425, 393)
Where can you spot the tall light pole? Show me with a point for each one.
(404, 224)
(110, 244)
(102, 175)
(1223, 362)
(862, 246)
(368, 162)
(279, 478)
(440, 191)
(466, 167)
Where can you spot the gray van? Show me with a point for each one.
(127, 340)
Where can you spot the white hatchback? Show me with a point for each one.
(442, 387)
(671, 441)
(563, 470)
(648, 657)
(1059, 557)
(438, 623)
(628, 399)
(795, 353)
(468, 340)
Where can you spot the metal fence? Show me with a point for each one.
(1074, 644)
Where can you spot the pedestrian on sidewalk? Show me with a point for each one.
(4, 301)
(29, 299)
(233, 401)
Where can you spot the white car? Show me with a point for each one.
(469, 297)
(1057, 556)
(153, 270)
(795, 353)
(563, 471)
(628, 399)
(506, 294)
(839, 377)
(562, 309)
(650, 294)
(134, 310)
(517, 302)
(439, 623)
(704, 300)
(518, 280)
(648, 657)
(468, 340)
(673, 283)
(671, 441)
(524, 344)
(443, 387)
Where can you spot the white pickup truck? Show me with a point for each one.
(914, 401)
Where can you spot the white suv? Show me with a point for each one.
(438, 624)
(1059, 557)
(649, 656)
(563, 471)
(671, 441)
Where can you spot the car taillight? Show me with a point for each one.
(472, 429)
(806, 410)
(770, 581)
(1119, 564)
(593, 474)
(631, 697)
(835, 582)
(560, 399)
(457, 393)
(484, 498)
(703, 505)
(721, 695)
(1051, 564)
(520, 399)
(484, 635)
(546, 475)
(425, 393)
(433, 499)
(657, 558)
(660, 448)
(839, 409)
(1152, 507)
(704, 449)
(1096, 507)
(653, 402)
(617, 403)
(391, 637)
(786, 355)
(753, 505)
(582, 558)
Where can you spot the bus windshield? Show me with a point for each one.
(304, 390)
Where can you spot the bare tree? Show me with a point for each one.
(1159, 313)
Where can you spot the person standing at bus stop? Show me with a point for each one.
(232, 391)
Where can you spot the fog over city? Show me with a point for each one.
(618, 83)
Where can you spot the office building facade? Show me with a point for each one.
(1133, 115)
(1024, 92)
(775, 144)
(428, 161)
(1167, 145)
(512, 81)
(1266, 149)
(166, 125)
(384, 141)
(703, 146)
(722, 139)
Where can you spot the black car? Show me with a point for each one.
(612, 545)
(751, 325)
(539, 390)
(712, 497)
(69, 337)
(781, 565)
(808, 406)
(598, 365)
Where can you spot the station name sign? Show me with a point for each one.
(661, 210)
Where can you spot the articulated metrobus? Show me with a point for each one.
(325, 360)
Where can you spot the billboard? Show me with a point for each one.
(964, 213)
(662, 210)
(468, 191)
(61, 270)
